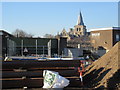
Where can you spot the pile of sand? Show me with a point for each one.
(104, 72)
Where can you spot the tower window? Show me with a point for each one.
(117, 37)
(77, 29)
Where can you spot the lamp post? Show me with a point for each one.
(36, 47)
(7, 45)
(43, 51)
(58, 46)
(22, 47)
(49, 48)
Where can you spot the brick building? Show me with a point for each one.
(105, 38)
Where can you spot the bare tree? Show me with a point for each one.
(21, 33)
(49, 36)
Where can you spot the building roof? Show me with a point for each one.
(80, 20)
(109, 28)
(3, 32)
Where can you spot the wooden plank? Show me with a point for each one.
(37, 64)
(20, 83)
(32, 83)
(14, 71)
(41, 68)
(29, 74)
(51, 68)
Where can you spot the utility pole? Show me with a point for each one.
(43, 51)
(8, 46)
(58, 46)
(22, 47)
(49, 48)
(36, 47)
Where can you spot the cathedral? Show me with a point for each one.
(78, 30)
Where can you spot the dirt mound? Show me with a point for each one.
(104, 72)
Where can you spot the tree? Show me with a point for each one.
(21, 33)
(49, 36)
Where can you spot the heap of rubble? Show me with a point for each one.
(104, 72)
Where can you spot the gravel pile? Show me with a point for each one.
(104, 72)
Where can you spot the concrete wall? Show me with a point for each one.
(73, 52)
(101, 52)
(11, 46)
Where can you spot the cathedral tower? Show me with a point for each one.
(80, 28)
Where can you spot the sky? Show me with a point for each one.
(40, 18)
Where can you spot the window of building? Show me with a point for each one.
(117, 37)
(95, 34)
(105, 42)
(1, 33)
(77, 29)
(93, 41)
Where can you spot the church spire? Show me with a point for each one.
(80, 20)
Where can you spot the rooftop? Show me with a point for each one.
(109, 28)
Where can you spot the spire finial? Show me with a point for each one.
(80, 19)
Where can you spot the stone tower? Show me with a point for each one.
(80, 28)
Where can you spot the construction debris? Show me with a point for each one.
(104, 72)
